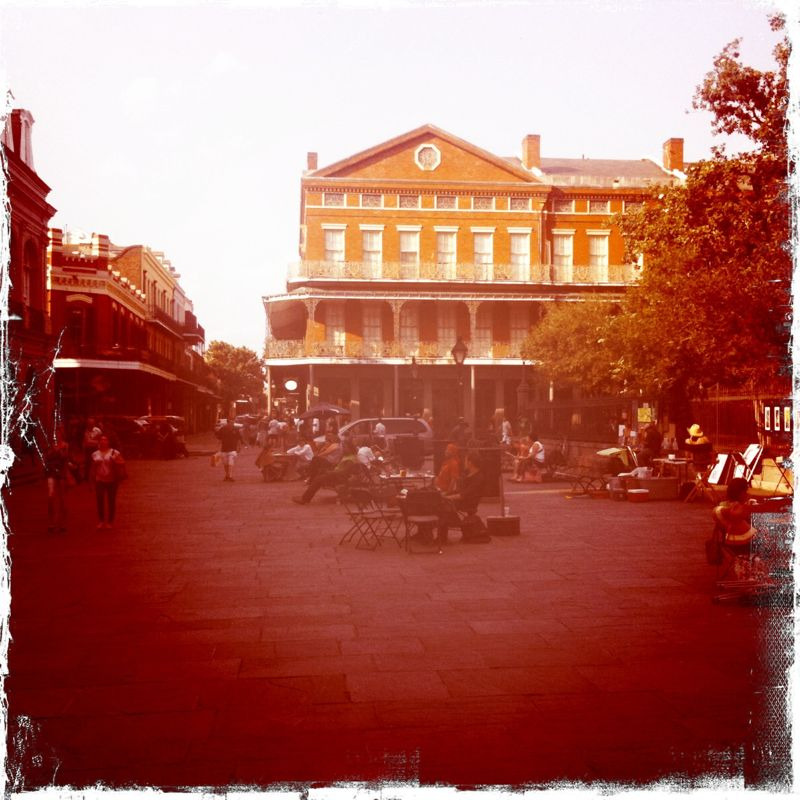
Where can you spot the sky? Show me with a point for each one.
(186, 128)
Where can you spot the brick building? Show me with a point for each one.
(30, 345)
(129, 342)
(426, 239)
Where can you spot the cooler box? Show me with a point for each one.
(503, 526)
(638, 495)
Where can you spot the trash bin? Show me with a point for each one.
(491, 463)
(410, 451)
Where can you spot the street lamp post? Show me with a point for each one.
(523, 396)
(459, 353)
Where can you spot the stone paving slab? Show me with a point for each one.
(220, 634)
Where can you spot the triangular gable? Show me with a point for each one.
(398, 159)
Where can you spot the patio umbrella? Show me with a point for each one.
(323, 411)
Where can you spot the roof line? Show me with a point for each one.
(421, 130)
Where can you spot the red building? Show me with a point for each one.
(122, 349)
(30, 345)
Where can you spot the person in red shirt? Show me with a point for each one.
(450, 472)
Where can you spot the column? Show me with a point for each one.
(269, 389)
(396, 306)
(310, 388)
(471, 404)
(311, 308)
(396, 391)
(355, 397)
(472, 308)
(427, 391)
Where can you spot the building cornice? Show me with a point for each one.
(99, 284)
(407, 185)
(436, 295)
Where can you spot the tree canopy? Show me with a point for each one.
(238, 369)
(712, 302)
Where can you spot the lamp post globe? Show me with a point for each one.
(459, 352)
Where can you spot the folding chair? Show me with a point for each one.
(703, 488)
(369, 522)
(421, 511)
(385, 522)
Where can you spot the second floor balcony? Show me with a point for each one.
(463, 272)
(361, 350)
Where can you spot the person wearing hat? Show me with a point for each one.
(698, 448)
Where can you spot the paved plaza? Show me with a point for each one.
(220, 635)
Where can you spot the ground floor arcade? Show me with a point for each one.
(442, 391)
(97, 390)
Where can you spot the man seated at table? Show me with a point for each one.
(450, 472)
(327, 456)
(347, 468)
(651, 446)
(458, 506)
(300, 456)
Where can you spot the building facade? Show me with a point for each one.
(424, 240)
(30, 344)
(128, 340)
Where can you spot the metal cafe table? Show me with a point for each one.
(406, 479)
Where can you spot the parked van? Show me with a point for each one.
(360, 431)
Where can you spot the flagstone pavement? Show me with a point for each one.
(220, 636)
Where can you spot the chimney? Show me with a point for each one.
(311, 161)
(530, 151)
(21, 124)
(673, 154)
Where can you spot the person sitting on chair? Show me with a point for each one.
(732, 516)
(532, 461)
(699, 449)
(347, 468)
(460, 505)
(300, 456)
(327, 456)
(450, 473)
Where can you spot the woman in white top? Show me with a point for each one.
(106, 463)
(533, 463)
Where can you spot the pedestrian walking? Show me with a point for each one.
(108, 470)
(230, 440)
(91, 436)
(56, 467)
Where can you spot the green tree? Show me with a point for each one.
(239, 370)
(711, 305)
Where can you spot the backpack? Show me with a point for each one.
(475, 530)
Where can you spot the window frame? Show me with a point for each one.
(330, 228)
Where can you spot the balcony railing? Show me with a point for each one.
(423, 351)
(463, 272)
(165, 319)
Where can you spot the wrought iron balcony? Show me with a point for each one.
(463, 272)
(424, 351)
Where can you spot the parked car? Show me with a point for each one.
(127, 434)
(360, 431)
(152, 446)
